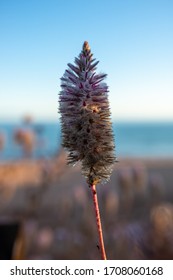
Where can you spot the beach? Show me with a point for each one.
(52, 204)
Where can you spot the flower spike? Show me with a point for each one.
(85, 118)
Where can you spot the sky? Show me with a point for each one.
(132, 39)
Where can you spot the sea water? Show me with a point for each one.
(131, 139)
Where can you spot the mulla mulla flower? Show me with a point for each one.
(85, 118)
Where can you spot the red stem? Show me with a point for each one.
(98, 221)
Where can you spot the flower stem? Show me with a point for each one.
(98, 221)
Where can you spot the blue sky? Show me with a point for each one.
(132, 39)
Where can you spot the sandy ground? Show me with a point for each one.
(53, 206)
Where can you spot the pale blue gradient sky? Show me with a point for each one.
(132, 39)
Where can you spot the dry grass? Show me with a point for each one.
(53, 203)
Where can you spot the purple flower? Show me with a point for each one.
(85, 118)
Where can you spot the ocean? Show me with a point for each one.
(131, 140)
